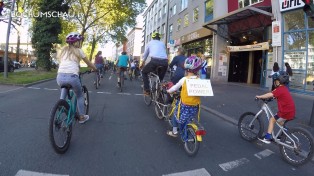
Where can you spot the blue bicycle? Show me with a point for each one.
(62, 116)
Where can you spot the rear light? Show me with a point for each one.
(200, 132)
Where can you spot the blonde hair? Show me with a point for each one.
(70, 52)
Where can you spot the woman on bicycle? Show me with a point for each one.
(286, 107)
(189, 106)
(68, 72)
(99, 63)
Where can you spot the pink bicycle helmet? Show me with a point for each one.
(73, 37)
(193, 64)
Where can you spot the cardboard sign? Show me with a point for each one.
(199, 87)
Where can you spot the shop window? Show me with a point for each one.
(244, 3)
(186, 20)
(309, 80)
(294, 20)
(209, 10)
(297, 62)
(195, 14)
(295, 40)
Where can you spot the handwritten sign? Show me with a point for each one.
(199, 87)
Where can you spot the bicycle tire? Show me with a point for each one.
(191, 145)
(247, 132)
(304, 151)
(121, 80)
(97, 82)
(86, 100)
(148, 99)
(159, 108)
(56, 123)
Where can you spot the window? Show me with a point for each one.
(244, 3)
(170, 31)
(159, 13)
(165, 9)
(174, 9)
(186, 20)
(195, 14)
(163, 29)
(209, 9)
(184, 4)
(170, 12)
(179, 24)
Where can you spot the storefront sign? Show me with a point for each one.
(195, 35)
(276, 33)
(255, 47)
(199, 87)
(290, 4)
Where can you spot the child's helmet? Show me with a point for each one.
(193, 64)
(73, 37)
(283, 77)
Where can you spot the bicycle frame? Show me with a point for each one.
(72, 101)
(265, 108)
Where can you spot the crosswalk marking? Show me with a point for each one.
(264, 154)
(197, 172)
(233, 164)
(30, 173)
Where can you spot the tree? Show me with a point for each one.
(46, 30)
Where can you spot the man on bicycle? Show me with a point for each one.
(122, 63)
(156, 51)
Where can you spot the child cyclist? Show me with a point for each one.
(188, 106)
(68, 72)
(286, 107)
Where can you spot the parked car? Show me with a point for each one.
(16, 64)
(32, 64)
(10, 65)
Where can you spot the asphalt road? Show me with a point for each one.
(123, 137)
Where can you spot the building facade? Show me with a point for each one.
(134, 43)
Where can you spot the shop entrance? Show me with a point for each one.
(245, 67)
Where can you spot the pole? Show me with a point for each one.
(312, 116)
(5, 71)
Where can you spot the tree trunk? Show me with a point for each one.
(93, 49)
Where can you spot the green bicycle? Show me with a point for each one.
(62, 116)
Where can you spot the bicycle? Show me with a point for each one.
(121, 75)
(62, 116)
(154, 84)
(191, 132)
(97, 79)
(296, 144)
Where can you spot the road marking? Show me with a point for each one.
(124, 93)
(104, 92)
(264, 154)
(11, 90)
(30, 173)
(50, 89)
(233, 164)
(198, 172)
(139, 94)
(34, 88)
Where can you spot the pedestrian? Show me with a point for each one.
(286, 106)
(178, 62)
(189, 106)
(274, 74)
(99, 63)
(69, 68)
(289, 71)
(1, 7)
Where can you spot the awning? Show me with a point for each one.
(247, 19)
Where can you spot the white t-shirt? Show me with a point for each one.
(70, 64)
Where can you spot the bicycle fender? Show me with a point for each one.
(195, 128)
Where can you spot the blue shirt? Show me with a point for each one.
(123, 61)
(155, 48)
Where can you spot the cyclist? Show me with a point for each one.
(178, 61)
(99, 63)
(189, 106)
(286, 107)
(122, 63)
(156, 51)
(68, 71)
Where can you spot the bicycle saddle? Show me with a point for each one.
(67, 86)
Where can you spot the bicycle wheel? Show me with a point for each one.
(191, 145)
(148, 99)
(304, 147)
(86, 100)
(60, 130)
(97, 81)
(159, 108)
(250, 130)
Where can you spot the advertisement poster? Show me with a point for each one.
(222, 65)
(276, 33)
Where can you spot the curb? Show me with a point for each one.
(30, 84)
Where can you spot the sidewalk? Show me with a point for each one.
(231, 100)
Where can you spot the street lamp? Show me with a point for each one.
(5, 71)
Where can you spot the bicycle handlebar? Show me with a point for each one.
(265, 100)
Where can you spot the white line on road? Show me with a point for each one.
(139, 94)
(197, 172)
(30, 173)
(104, 92)
(124, 93)
(233, 164)
(33, 87)
(264, 154)
(50, 89)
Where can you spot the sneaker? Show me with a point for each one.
(265, 139)
(172, 134)
(102, 76)
(86, 118)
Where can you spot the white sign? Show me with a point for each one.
(290, 4)
(276, 33)
(199, 87)
(255, 47)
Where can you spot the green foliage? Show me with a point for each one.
(46, 31)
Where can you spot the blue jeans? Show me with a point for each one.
(74, 81)
(100, 67)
